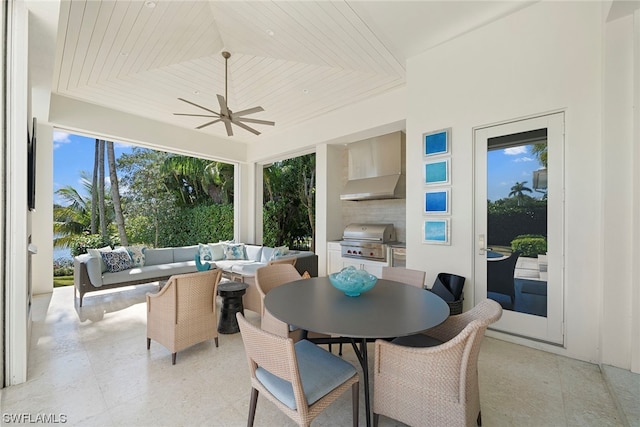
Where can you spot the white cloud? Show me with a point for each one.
(524, 159)
(514, 151)
(60, 138)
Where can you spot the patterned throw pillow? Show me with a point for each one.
(235, 251)
(279, 251)
(205, 253)
(116, 260)
(137, 255)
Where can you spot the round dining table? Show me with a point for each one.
(391, 309)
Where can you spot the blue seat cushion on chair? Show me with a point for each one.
(320, 372)
(417, 340)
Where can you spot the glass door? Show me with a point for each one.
(519, 224)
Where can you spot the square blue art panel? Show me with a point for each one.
(436, 231)
(436, 202)
(436, 172)
(436, 143)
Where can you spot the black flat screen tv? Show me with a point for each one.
(31, 166)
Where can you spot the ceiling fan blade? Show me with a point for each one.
(243, 126)
(247, 111)
(199, 106)
(224, 111)
(227, 124)
(249, 120)
(195, 115)
(209, 123)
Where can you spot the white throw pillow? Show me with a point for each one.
(96, 253)
(217, 251)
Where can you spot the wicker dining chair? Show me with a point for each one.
(183, 313)
(438, 385)
(301, 379)
(404, 275)
(269, 277)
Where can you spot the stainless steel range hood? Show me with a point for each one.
(375, 169)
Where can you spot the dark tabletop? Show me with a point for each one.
(390, 309)
(231, 286)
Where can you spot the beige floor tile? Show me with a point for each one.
(92, 365)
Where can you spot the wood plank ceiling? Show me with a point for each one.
(296, 59)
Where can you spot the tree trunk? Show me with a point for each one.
(101, 207)
(94, 191)
(115, 194)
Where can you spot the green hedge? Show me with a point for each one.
(199, 224)
(529, 245)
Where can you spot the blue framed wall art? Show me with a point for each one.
(437, 202)
(436, 172)
(436, 143)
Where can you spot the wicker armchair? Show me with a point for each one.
(183, 313)
(404, 275)
(435, 386)
(301, 379)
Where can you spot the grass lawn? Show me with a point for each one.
(59, 281)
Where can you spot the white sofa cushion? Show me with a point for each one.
(151, 272)
(158, 256)
(185, 253)
(254, 252)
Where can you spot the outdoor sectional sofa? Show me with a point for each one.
(91, 273)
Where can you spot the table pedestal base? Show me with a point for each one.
(231, 293)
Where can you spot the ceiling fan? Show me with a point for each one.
(226, 115)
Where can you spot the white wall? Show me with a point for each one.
(93, 119)
(617, 191)
(42, 217)
(545, 57)
(328, 205)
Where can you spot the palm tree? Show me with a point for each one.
(196, 180)
(101, 207)
(70, 220)
(540, 151)
(74, 218)
(518, 189)
(94, 188)
(115, 194)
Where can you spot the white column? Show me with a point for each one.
(16, 308)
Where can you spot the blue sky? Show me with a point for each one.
(73, 154)
(506, 167)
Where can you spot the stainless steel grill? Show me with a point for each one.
(367, 241)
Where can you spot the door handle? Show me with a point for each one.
(482, 247)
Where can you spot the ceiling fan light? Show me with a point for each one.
(225, 115)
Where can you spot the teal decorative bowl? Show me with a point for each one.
(352, 281)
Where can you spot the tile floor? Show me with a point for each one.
(92, 366)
